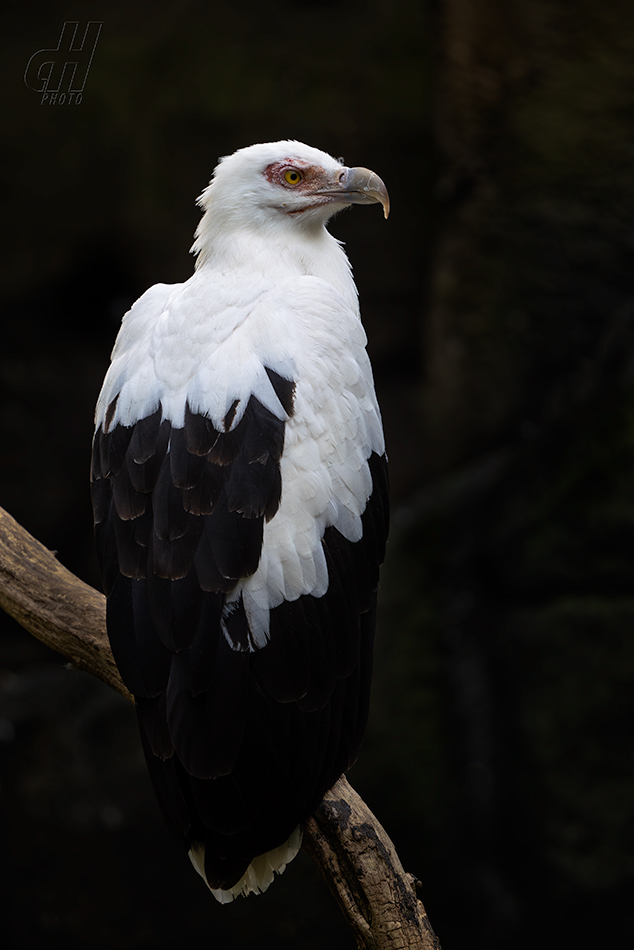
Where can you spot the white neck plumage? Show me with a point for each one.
(274, 248)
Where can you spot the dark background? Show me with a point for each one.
(499, 305)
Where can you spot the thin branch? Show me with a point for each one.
(343, 837)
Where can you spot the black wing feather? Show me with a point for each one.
(179, 519)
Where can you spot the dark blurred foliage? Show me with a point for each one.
(498, 301)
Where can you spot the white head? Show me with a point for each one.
(285, 185)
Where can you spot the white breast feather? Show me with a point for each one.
(207, 342)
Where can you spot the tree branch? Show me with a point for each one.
(343, 837)
(54, 605)
(363, 871)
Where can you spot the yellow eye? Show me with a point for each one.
(292, 177)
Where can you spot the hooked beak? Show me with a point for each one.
(360, 186)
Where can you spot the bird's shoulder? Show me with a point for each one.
(210, 340)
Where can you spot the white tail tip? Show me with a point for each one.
(260, 873)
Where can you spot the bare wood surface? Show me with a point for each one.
(363, 871)
(344, 838)
(54, 605)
